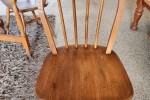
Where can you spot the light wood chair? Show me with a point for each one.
(83, 72)
(19, 7)
(23, 6)
(141, 4)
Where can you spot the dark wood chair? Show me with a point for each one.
(83, 71)
(141, 4)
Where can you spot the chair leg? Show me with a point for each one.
(20, 25)
(7, 20)
(137, 15)
(25, 41)
(34, 15)
(23, 21)
(26, 45)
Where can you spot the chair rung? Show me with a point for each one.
(32, 20)
(11, 38)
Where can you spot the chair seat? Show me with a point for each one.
(23, 6)
(83, 74)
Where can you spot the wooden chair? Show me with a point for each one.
(83, 72)
(19, 8)
(23, 7)
(139, 11)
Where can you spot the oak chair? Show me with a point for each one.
(23, 7)
(19, 8)
(83, 72)
(139, 11)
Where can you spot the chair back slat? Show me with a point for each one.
(113, 32)
(115, 26)
(75, 22)
(47, 27)
(98, 23)
(62, 23)
(87, 22)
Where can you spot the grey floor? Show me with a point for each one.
(133, 47)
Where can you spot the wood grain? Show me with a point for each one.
(83, 74)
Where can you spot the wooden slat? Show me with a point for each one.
(47, 27)
(75, 22)
(11, 38)
(83, 74)
(116, 25)
(99, 23)
(87, 22)
(62, 22)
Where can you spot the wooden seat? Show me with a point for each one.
(83, 72)
(141, 4)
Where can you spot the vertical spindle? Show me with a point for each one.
(75, 22)
(62, 22)
(99, 23)
(87, 22)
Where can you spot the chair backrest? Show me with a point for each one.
(48, 28)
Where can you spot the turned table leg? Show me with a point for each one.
(138, 14)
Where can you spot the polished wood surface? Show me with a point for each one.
(83, 74)
(141, 4)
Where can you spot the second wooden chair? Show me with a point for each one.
(19, 7)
